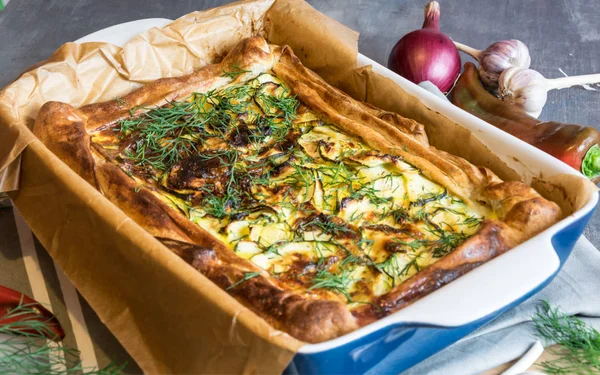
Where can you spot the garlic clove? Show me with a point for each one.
(524, 88)
(500, 56)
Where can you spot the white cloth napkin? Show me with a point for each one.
(576, 290)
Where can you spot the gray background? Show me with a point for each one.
(560, 34)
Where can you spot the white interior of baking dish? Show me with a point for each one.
(485, 289)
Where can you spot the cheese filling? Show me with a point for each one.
(285, 188)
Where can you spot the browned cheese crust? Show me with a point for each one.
(521, 211)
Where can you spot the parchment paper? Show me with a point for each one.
(570, 192)
(382, 92)
(168, 316)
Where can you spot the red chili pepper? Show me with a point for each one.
(575, 145)
(32, 311)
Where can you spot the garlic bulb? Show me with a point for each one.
(497, 58)
(528, 89)
(525, 88)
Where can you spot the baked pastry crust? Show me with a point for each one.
(521, 212)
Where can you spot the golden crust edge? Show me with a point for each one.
(522, 207)
(310, 320)
(458, 175)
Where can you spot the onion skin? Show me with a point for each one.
(497, 58)
(427, 54)
(501, 56)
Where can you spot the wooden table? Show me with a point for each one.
(546, 356)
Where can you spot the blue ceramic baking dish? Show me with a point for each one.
(415, 333)
(403, 339)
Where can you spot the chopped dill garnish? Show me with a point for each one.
(326, 224)
(247, 276)
(273, 248)
(336, 282)
(234, 71)
(394, 269)
(370, 193)
(230, 152)
(282, 105)
(364, 242)
(447, 242)
(429, 197)
(163, 136)
(472, 221)
(400, 215)
(412, 245)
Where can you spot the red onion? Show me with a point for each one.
(427, 54)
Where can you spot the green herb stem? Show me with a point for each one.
(247, 276)
(578, 351)
(27, 351)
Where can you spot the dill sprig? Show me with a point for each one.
(165, 135)
(234, 71)
(472, 221)
(578, 351)
(27, 320)
(429, 197)
(400, 215)
(368, 191)
(412, 245)
(251, 120)
(225, 204)
(162, 135)
(339, 175)
(247, 276)
(447, 242)
(325, 224)
(27, 351)
(393, 268)
(283, 105)
(301, 177)
(336, 282)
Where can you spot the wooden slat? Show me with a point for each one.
(546, 356)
